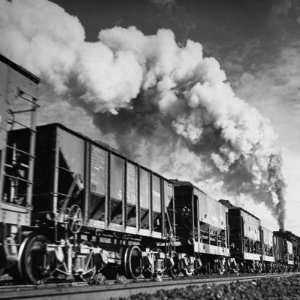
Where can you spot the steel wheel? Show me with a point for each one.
(147, 267)
(171, 268)
(34, 266)
(90, 268)
(88, 272)
(197, 266)
(86, 266)
(133, 262)
(185, 268)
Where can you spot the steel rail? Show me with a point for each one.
(107, 291)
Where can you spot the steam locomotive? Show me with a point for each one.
(73, 208)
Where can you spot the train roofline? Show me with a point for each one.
(246, 211)
(178, 182)
(20, 69)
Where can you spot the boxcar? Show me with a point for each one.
(245, 244)
(201, 225)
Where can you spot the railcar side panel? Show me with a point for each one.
(290, 253)
(43, 189)
(117, 190)
(200, 220)
(184, 213)
(157, 205)
(98, 191)
(18, 103)
(132, 197)
(169, 207)
(283, 248)
(279, 248)
(267, 245)
(244, 235)
(3, 104)
(114, 193)
(212, 224)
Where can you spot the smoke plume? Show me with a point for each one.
(163, 103)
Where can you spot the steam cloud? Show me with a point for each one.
(162, 102)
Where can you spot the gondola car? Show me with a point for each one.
(201, 227)
(245, 243)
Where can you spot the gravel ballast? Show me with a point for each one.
(266, 288)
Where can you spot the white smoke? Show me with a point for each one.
(164, 103)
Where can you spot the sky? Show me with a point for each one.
(256, 43)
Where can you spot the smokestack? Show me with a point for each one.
(162, 103)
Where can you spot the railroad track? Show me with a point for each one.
(78, 291)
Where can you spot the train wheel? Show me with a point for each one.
(89, 271)
(147, 267)
(197, 266)
(171, 268)
(176, 268)
(133, 262)
(85, 267)
(33, 265)
(185, 267)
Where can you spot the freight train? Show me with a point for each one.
(72, 208)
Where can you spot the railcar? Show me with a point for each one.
(296, 250)
(201, 227)
(245, 242)
(93, 209)
(283, 251)
(18, 105)
(295, 240)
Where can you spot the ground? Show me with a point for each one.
(273, 288)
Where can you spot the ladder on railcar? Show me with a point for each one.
(17, 155)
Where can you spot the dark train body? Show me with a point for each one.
(201, 226)
(283, 250)
(245, 245)
(71, 207)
